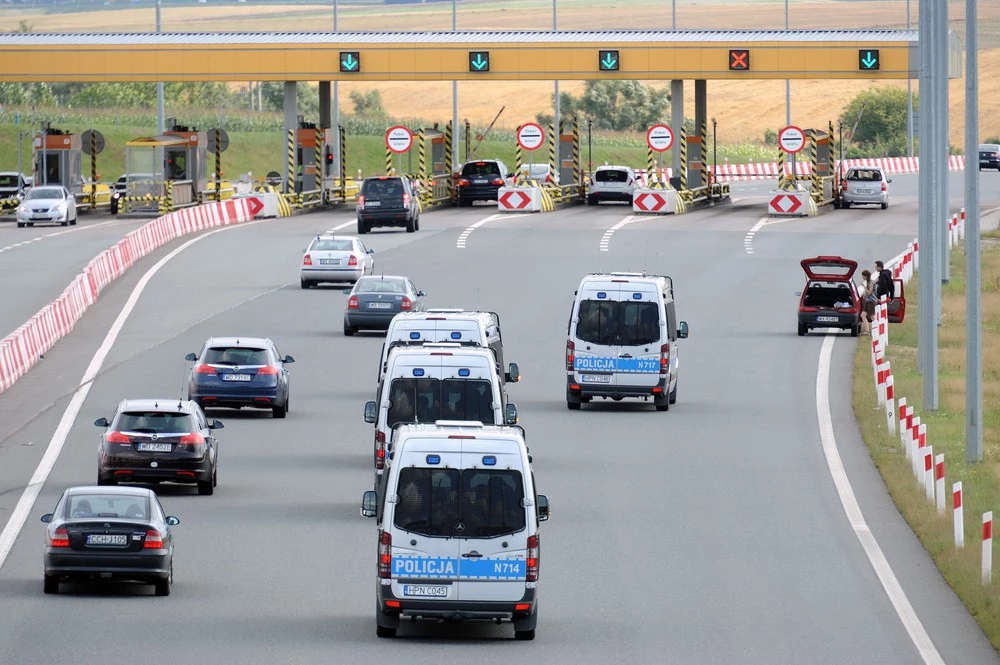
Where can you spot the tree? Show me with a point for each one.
(23, 94)
(880, 114)
(623, 105)
(115, 95)
(369, 104)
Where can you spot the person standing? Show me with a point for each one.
(868, 300)
(885, 285)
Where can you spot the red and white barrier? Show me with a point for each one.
(958, 514)
(890, 404)
(987, 547)
(939, 483)
(20, 350)
(929, 473)
(769, 170)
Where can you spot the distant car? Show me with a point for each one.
(109, 534)
(330, 258)
(611, 183)
(866, 185)
(541, 173)
(480, 180)
(387, 201)
(989, 156)
(47, 204)
(234, 372)
(121, 185)
(373, 302)
(155, 440)
(830, 299)
(13, 185)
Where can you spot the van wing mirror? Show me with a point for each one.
(683, 332)
(370, 411)
(369, 504)
(543, 507)
(510, 414)
(513, 373)
(191, 357)
(101, 422)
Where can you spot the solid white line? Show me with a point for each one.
(915, 629)
(30, 494)
(343, 226)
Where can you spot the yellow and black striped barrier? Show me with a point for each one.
(449, 158)
(284, 207)
(388, 161)
(319, 165)
(8, 205)
(290, 158)
(684, 160)
(576, 157)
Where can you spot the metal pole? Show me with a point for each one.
(673, 15)
(336, 100)
(558, 119)
(590, 147)
(715, 152)
(454, 98)
(160, 122)
(788, 86)
(973, 269)
(909, 99)
(930, 135)
(941, 173)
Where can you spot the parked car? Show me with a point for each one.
(387, 201)
(867, 185)
(480, 180)
(830, 298)
(611, 183)
(541, 173)
(13, 185)
(989, 156)
(48, 204)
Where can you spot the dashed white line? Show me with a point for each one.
(748, 238)
(463, 237)
(606, 238)
(61, 233)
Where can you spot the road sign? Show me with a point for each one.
(479, 61)
(660, 137)
(786, 203)
(524, 200)
(530, 136)
(398, 139)
(650, 202)
(791, 139)
(86, 137)
(255, 205)
(868, 59)
(350, 61)
(608, 61)
(223, 140)
(739, 59)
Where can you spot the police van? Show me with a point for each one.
(437, 381)
(457, 515)
(445, 325)
(623, 334)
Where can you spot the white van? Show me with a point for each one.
(445, 325)
(458, 520)
(623, 334)
(437, 381)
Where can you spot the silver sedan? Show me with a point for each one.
(47, 204)
(867, 185)
(332, 258)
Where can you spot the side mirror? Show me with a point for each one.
(217, 424)
(370, 411)
(173, 521)
(348, 289)
(421, 294)
(288, 360)
(510, 414)
(683, 332)
(543, 507)
(798, 293)
(889, 180)
(191, 357)
(101, 422)
(47, 517)
(513, 373)
(371, 251)
(369, 504)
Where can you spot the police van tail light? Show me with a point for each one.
(570, 355)
(380, 450)
(353, 261)
(384, 555)
(352, 302)
(532, 568)
(664, 359)
(406, 305)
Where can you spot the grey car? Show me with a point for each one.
(330, 258)
(48, 204)
(865, 185)
(373, 302)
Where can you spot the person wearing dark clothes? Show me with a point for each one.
(884, 284)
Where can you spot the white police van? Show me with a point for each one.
(444, 325)
(458, 518)
(623, 334)
(438, 381)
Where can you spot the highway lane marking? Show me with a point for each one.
(343, 226)
(30, 494)
(606, 238)
(61, 233)
(463, 237)
(921, 640)
(748, 238)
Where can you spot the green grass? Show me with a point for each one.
(945, 432)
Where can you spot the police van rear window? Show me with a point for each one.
(471, 503)
(427, 400)
(609, 322)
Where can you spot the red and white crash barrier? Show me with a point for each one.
(939, 483)
(958, 514)
(890, 404)
(987, 547)
(769, 170)
(20, 350)
(929, 473)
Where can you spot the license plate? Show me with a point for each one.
(146, 447)
(435, 591)
(236, 377)
(40, 217)
(106, 539)
(372, 204)
(595, 378)
(379, 305)
(864, 191)
(329, 262)
(827, 319)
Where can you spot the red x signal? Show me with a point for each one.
(739, 59)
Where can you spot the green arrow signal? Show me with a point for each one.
(480, 63)
(609, 62)
(349, 63)
(869, 60)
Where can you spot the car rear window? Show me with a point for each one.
(235, 355)
(608, 322)
(388, 187)
(157, 422)
(8, 181)
(864, 175)
(107, 505)
(611, 175)
(488, 502)
(428, 400)
(481, 168)
(332, 245)
(379, 285)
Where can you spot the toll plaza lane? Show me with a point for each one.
(710, 533)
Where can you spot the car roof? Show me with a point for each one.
(609, 167)
(123, 490)
(377, 277)
(238, 342)
(158, 404)
(330, 236)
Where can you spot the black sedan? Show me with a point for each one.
(109, 534)
(373, 302)
(155, 440)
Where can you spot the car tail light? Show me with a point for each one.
(267, 370)
(548, 177)
(353, 261)
(498, 182)
(154, 541)
(361, 201)
(380, 450)
(532, 571)
(843, 185)
(570, 355)
(59, 538)
(352, 302)
(463, 182)
(664, 359)
(406, 305)
(384, 555)
(117, 437)
(406, 200)
(307, 260)
(192, 439)
(883, 185)
(204, 369)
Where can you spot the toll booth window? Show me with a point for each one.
(8, 181)
(176, 166)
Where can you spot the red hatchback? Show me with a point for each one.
(830, 298)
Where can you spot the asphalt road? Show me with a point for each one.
(37, 263)
(708, 534)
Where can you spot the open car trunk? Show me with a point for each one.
(828, 295)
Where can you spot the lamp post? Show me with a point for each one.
(715, 154)
(454, 102)
(160, 126)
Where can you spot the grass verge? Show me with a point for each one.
(945, 432)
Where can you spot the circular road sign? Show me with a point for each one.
(86, 138)
(530, 136)
(223, 140)
(660, 137)
(791, 139)
(398, 139)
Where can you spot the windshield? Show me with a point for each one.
(626, 323)
(8, 181)
(235, 355)
(323, 244)
(107, 505)
(379, 285)
(154, 422)
(488, 502)
(428, 400)
(45, 193)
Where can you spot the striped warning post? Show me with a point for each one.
(518, 157)
(290, 147)
(552, 149)
(781, 168)
(684, 159)
(814, 166)
(218, 164)
(576, 154)
(449, 158)
(167, 202)
(343, 164)
(703, 157)
(388, 161)
(319, 165)
(426, 193)
(93, 168)
(650, 164)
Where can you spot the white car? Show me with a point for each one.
(611, 183)
(332, 258)
(48, 204)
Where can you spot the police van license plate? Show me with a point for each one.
(827, 319)
(596, 378)
(435, 591)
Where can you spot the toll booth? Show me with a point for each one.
(315, 160)
(57, 159)
(186, 164)
(145, 173)
(819, 150)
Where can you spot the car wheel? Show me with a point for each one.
(106, 481)
(673, 393)
(206, 488)
(410, 225)
(280, 411)
(855, 330)
(417, 223)
(162, 587)
(524, 634)
(304, 284)
(845, 205)
(362, 228)
(31, 224)
(64, 223)
(73, 223)
(20, 225)
(802, 329)
(591, 200)
(885, 204)
(348, 330)
(662, 404)
(572, 406)
(384, 631)
(51, 584)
